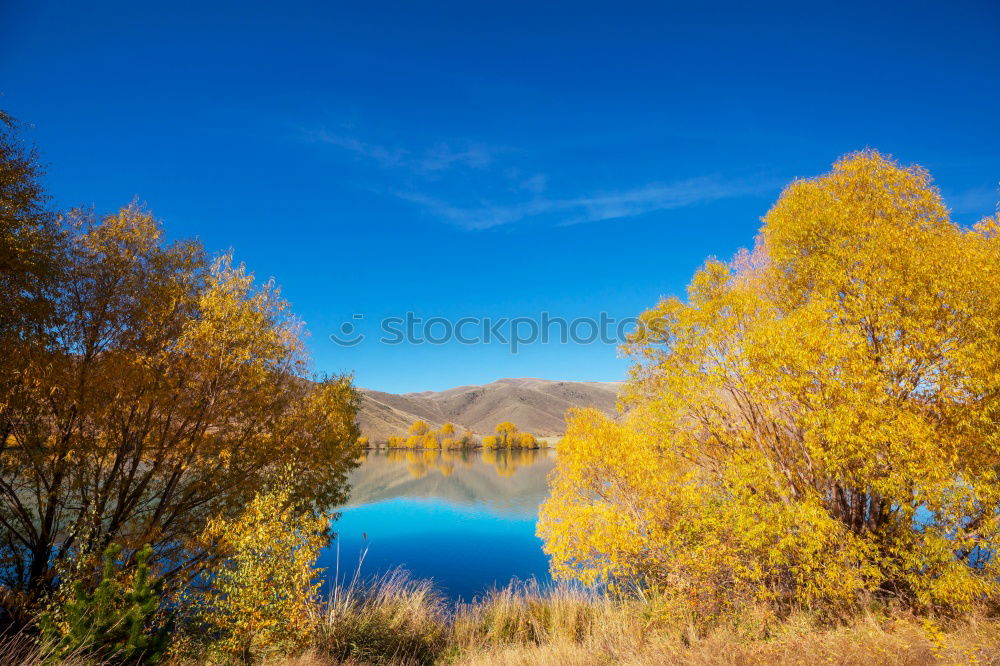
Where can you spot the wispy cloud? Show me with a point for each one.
(385, 157)
(594, 208)
(443, 157)
(536, 184)
(440, 157)
(442, 180)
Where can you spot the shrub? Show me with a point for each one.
(263, 599)
(115, 621)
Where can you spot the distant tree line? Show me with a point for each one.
(420, 435)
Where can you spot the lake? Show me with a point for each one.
(465, 519)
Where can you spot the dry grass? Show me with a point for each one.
(528, 614)
(643, 634)
(24, 650)
(396, 620)
(393, 619)
(526, 624)
(400, 621)
(865, 642)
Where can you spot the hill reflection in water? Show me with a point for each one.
(464, 518)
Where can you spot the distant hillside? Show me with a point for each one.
(534, 405)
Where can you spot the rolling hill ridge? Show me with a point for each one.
(534, 405)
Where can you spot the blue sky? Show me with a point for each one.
(501, 160)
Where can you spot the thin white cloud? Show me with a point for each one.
(535, 184)
(440, 157)
(385, 157)
(475, 166)
(578, 210)
(443, 157)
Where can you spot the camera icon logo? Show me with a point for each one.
(348, 335)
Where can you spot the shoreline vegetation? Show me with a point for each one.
(420, 436)
(395, 620)
(420, 461)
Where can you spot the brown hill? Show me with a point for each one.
(534, 405)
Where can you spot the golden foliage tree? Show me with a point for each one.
(263, 600)
(421, 436)
(816, 422)
(30, 241)
(161, 389)
(506, 434)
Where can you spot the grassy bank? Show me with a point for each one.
(397, 620)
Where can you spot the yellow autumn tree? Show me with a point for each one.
(419, 428)
(263, 601)
(30, 240)
(420, 435)
(151, 390)
(818, 420)
(506, 434)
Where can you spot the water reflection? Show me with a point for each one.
(419, 461)
(465, 518)
(511, 481)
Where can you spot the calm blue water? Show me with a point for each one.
(465, 520)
